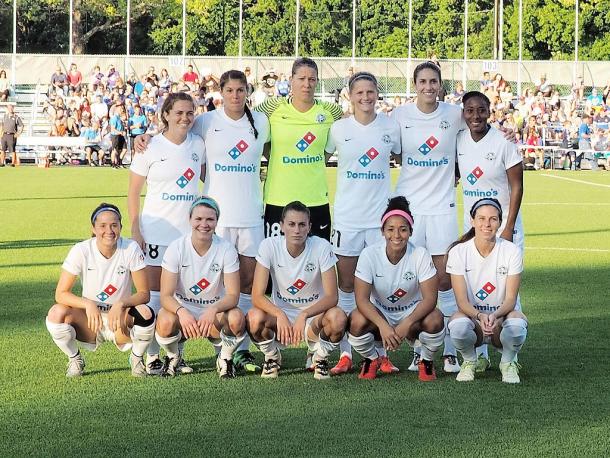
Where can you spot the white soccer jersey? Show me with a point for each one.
(200, 281)
(363, 171)
(485, 277)
(427, 175)
(233, 157)
(395, 287)
(172, 178)
(483, 167)
(105, 281)
(297, 282)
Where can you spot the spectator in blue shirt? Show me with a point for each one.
(118, 128)
(584, 140)
(137, 124)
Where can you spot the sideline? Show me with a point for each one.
(586, 250)
(575, 180)
(601, 204)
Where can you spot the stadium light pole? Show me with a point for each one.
(576, 31)
(71, 25)
(127, 37)
(465, 43)
(520, 46)
(410, 27)
(241, 32)
(183, 33)
(14, 59)
(353, 33)
(296, 35)
(501, 32)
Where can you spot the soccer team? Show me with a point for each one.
(201, 265)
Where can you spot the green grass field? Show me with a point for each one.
(561, 408)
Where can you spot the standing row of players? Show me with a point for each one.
(233, 143)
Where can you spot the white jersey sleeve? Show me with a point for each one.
(75, 260)
(265, 253)
(425, 266)
(171, 258)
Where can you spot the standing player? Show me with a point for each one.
(171, 169)
(107, 310)
(200, 290)
(299, 131)
(396, 288)
(364, 143)
(234, 140)
(486, 274)
(304, 298)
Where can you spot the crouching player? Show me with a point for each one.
(303, 305)
(200, 291)
(485, 275)
(396, 290)
(107, 264)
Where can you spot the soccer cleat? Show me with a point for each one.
(482, 364)
(225, 368)
(369, 368)
(271, 366)
(244, 360)
(510, 372)
(426, 370)
(343, 366)
(321, 371)
(414, 367)
(451, 364)
(76, 366)
(386, 366)
(309, 364)
(154, 367)
(467, 371)
(169, 367)
(138, 368)
(183, 368)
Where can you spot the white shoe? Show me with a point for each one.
(510, 372)
(183, 368)
(271, 366)
(414, 367)
(225, 368)
(138, 369)
(451, 364)
(76, 366)
(154, 366)
(467, 371)
(169, 366)
(321, 370)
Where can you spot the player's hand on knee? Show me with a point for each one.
(206, 321)
(141, 143)
(298, 329)
(403, 329)
(188, 323)
(284, 329)
(94, 317)
(115, 316)
(391, 340)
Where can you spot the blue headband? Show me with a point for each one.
(104, 209)
(208, 202)
(482, 202)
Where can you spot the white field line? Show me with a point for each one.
(576, 181)
(550, 248)
(600, 204)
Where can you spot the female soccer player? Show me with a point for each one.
(200, 290)
(107, 264)
(171, 169)
(364, 143)
(486, 274)
(304, 298)
(299, 131)
(396, 289)
(234, 140)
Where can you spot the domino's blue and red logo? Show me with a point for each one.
(474, 175)
(238, 149)
(296, 286)
(304, 142)
(485, 291)
(108, 291)
(368, 157)
(428, 146)
(198, 287)
(398, 294)
(186, 178)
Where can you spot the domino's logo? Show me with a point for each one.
(198, 287)
(368, 157)
(108, 291)
(186, 178)
(304, 142)
(238, 149)
(485, 291)
(296, 287)
(428, 146)
(474, 176)
(398, 294)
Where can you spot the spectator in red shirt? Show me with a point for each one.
(191, 78)
(75, 78)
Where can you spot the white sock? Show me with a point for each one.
(364, 345)
(269, 348)
(449, 347)
(380, 350)
(229, 344)
(345, 347)
(64, 336)
(155, 304)
(324, 348)
(447, 303)
(170, 344)
(464, 337)
(512, 336)
(140, 338)
(431, 343)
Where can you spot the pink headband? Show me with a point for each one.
(404, 214)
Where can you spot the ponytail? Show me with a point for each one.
(251, 120)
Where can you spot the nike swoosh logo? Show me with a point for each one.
(89, 268)
(460, 154)
(324, 227)
(408, 127)
(280, 265)
(348, 139)
(468, 270)
(185, 265)
(217, 130)
(163, 159)
(378, 276)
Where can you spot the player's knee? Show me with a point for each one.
(165, 325)
(433, 322)
(142, 315)
(255, 320)
(335, 321)
(236, 320)
(357, 323)
(58, 313)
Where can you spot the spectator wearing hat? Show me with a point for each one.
(269, 80)
(544, 86)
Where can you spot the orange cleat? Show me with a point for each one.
(386, 366)
(426, 371)
(369, 368)
(343, 366)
